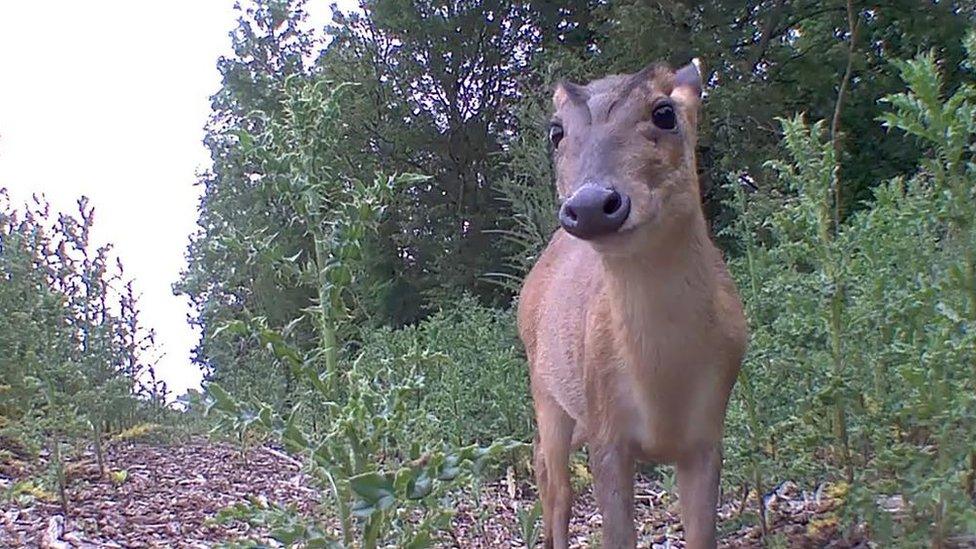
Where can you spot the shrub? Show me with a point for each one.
(864, 331)
(478, 386)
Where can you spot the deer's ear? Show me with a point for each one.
(565, 91)
(559, 95)
(688, 82)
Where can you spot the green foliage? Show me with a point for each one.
(24, 492)
(438, 102)
(296, 164)
(73, 356)
(351, 415)
(531, 224)
(284, 524)
(326, 294)
(477, 379)
(365, 455)
(529, 521)
(472, 114)
(119, 477)
(244, 229)
(867, 326)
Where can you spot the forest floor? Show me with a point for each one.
(169, 493)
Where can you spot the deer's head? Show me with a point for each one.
(624, 154)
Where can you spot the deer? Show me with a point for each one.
(631, 322)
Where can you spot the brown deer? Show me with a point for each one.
(632, 324)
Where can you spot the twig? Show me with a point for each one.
(284, 456)
(766, 37)
(52, 535)
(854, 24)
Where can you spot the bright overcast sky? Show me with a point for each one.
(108, 98)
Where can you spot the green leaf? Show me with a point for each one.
(293, 437)
(375, 492)
(234, 327)
(420, 486)
(450, 469)
(222, 399)
(419, 541)
(294, 258)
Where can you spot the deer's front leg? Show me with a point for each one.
(613, 485)
(552, 470)
(698, 478)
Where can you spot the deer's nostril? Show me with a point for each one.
(612, 204)
(594, 210)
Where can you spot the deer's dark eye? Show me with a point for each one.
(664, 117)
(555, 133)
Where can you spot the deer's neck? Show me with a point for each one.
(669, 286)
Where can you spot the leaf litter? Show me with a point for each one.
(165, 495)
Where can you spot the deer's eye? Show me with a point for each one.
(664, 117)
(555, 133)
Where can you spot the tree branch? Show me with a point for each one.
(853, 23)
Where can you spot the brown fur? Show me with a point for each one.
(634, 338)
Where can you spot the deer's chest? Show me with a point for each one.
(668, 390)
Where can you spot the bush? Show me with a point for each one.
(479, 386)
(864, 330)
(73, 354)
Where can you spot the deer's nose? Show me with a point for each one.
(594, 211)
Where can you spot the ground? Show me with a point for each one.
(168, 493)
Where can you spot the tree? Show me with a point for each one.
(230, 274)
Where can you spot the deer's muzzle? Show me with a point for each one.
(594, 211)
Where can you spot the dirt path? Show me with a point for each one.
(170, 491)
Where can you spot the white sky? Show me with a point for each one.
(108, 98)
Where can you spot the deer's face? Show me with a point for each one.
(623, 150)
